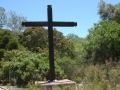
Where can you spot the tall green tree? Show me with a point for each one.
(62, 45)
(103, 42)
(7, 41)
(109, 11)
(36, 39)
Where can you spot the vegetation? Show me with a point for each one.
(93, 61)
(7, 42)
(103, 42)
(2, 17)
(109, 11)
(35, 39)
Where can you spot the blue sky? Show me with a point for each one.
(84, 12)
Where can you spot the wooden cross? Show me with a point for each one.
(50, 25)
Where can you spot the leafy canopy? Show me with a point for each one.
(7, 42)
(103, 42)
(109, 11)
(35, 39)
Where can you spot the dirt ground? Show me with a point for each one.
(8, 88)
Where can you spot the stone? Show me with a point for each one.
(56, 83)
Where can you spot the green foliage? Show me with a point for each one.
(99, 77)
(103, 42)
(92, 74)
(77, 80)
(62, 46)
(2, 51)
(35, 39)
(109, 11)
(32, 86)
(65, 63)
(29, 66)
(7, 42)
(78, 43)
(67, 88)
(73, 37)
(78, 47)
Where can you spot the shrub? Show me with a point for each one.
(28, 66)
(77, 79)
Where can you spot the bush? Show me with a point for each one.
(68, 65)
(29, 66)
(77, 79)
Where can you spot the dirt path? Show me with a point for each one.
(8, 88)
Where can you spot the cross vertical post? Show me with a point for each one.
(51, 46)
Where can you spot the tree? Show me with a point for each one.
(78, 46)
(62, 45)
(73, 37)
(35, 39)
(7, 42)
(109, 11)
(2, 17)
(103, 42)
(78, 42)
(14, 22)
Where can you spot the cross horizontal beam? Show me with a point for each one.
(56, 24)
